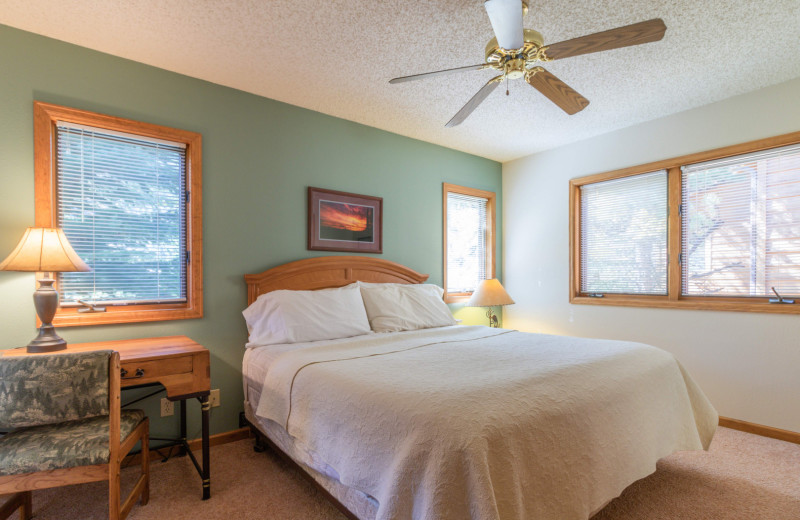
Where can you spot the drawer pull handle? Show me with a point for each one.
(139, 373)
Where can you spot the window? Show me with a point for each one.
(624, 235)
(741, 217)
(127, 195)
(468, 240)
(714, 230)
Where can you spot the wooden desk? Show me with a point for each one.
(177, 363)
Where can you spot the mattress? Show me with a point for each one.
(255, 365)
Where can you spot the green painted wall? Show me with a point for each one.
(259, 156)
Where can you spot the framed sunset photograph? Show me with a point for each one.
(340, 221)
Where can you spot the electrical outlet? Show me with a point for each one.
(167, 407)
(214, 398)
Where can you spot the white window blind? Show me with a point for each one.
(121, 202)
(623, 235)
(741, 225)
(466, 242)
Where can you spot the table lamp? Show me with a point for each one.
(45, 250)
(488, 294)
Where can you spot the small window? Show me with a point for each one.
(469, 240)
(624, 235)
(741, 221)
(127, 197)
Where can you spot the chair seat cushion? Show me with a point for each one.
(62, 445)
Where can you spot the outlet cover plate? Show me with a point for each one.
(213, 398)
(167, 407)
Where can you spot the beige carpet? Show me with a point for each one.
(743, 476)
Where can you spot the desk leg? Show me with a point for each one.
(182, 447)
(206, 408)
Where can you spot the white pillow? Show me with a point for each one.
(300, 316)
(392, 307)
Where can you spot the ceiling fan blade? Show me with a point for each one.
(557, 91)
(638, 33)
(506, 18)
(473, 103)
(437, 73)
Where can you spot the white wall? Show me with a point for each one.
(747, 363)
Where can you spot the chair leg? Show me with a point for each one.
(21, 501)
(141, 490)
(113, 490)
(26, 511)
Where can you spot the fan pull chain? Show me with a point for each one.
(506, 85)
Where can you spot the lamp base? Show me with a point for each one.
(46, 341)
(493, 322)
(45, 300)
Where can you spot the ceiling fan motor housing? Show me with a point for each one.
(513, 63)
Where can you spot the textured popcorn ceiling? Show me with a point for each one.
(336, 57)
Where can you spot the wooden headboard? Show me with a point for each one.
(328, 271)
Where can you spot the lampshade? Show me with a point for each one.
(44, 250)
(488, 294)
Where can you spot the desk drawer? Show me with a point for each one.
(136, 370)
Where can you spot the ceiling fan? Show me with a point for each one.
(516, 53)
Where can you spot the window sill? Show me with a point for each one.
(457, 297)
(690, 303)
(70, 317)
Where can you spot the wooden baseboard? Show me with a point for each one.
(196, 444)
(221, 438)
(760, 429)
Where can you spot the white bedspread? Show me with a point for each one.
(471, 422)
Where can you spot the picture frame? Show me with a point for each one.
(346, 222)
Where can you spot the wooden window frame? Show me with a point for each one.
(673, 299)
(45, 117)
(490, 197)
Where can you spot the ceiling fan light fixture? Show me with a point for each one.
(514, 68)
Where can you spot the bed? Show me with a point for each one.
(458, 422)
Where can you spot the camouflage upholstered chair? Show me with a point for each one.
(65, 427)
